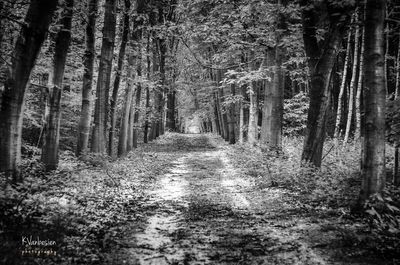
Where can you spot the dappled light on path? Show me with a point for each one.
(202, 211)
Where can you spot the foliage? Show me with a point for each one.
(81, 205)
(295, 115)
(393, 121)
(384, 220)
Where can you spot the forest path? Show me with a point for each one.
(203, 212)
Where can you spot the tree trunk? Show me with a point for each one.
(387, 55)
(342, 86)
(273, 102)
(148, 111)
(171, 110)
(320, 63)
(129, 143)
(241, 122)
(353, 80)
(373, 160)
(121, 58)
(397, 90)
(163, 53)
(27, 47)
(218, 105)
(359, 88)
(52, 132)
(103, 80)
(136, 125)
(123, 135)
(88, 64)
(396, 173)
(224, 111)
(232, 118)
(252, 128)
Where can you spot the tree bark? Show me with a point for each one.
(27, 47)
(353, 80)
(396, 173)
(273, 99)
(121, 58)
(136, 125)
(103, 80)
(88, 64)
(241, 116)
(342, 86)
(252, 127)
(373, 159)
(129, 143)
(52, 131)
(359, 88)
(232, 118)
(321, 62)
(123, 135)
(148, 110)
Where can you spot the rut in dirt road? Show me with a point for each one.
(203, 212)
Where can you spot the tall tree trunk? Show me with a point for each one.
(387, 55)
(103, 80)
(397, 86)
(88, 64)
(232, 118)
(353, 80)
(373, 160)
(252, 127)
(241, 116)
(218, 104)
(156, 94)
(321, 62)
(217, 127)
(342, 86)
(273, 98)
(129, 143)
(52, 131)
(224, 111)
(171, 110)
(121, 58)
(148, 110)
(123, 135)
(27, 47)
(161, 110)
(359, 88)
(138, 97)
(219, 113)
(396, 173)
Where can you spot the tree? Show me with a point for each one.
(359, 88)
(121, 58)
(103, 80)
(30, 39)
(273, 98)
(373, 146)
(321, 59)
(343, 85)
(353, 79)
(124, 131)
(88, 64)
(53, 103)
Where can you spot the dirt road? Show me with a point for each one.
(203, 212)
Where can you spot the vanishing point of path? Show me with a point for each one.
(201, 211)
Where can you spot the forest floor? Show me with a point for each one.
(188, 199)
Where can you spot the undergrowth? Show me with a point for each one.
(331, 191)
(81, 206)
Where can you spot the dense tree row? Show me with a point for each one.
(234, 67)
